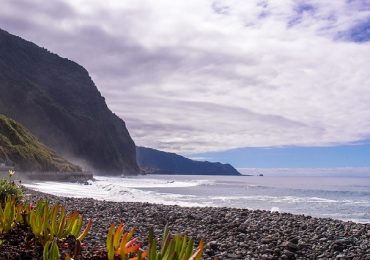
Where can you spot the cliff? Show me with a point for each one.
(157, 162)
(58, 102)
(19, 146)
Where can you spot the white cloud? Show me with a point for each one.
(194, 76)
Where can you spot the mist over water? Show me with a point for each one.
(340, 196)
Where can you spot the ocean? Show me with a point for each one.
(326, 194)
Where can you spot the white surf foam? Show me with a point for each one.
(122, 190)
(145, 182)
(281, 199)
(219, 191)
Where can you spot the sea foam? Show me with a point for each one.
(336, 197)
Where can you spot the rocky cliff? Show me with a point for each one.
(58, 102)
(157, 162)
(19, 147)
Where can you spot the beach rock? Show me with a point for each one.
(213, 245)
(289, 254)
(341, 244)
(294, 240)
(290, 246)
(266, 233)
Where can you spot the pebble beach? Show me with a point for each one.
(229, 233)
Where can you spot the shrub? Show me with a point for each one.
(9, 188)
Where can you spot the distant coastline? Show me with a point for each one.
(322, 172)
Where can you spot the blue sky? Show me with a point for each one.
(204, 76)
(294, 157)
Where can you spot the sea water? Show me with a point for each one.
(339, 196)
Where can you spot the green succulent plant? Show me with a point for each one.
(7, 215)
(51, 223)
(178, 247)
(51, 250)
(121, 244)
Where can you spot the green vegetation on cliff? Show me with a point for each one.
(19, 146)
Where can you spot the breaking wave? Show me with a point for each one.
(345, 199)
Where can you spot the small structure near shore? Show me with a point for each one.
(80, 177)
(4, 166)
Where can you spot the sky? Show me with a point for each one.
(340, 156)
(210, 77)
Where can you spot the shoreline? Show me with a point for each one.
(230, 233)
(323, 202)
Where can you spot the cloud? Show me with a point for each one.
(196, 76)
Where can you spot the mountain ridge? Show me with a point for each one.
(154, 161)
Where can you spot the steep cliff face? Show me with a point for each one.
(57, 100)
(19, 146)
(157, 162)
